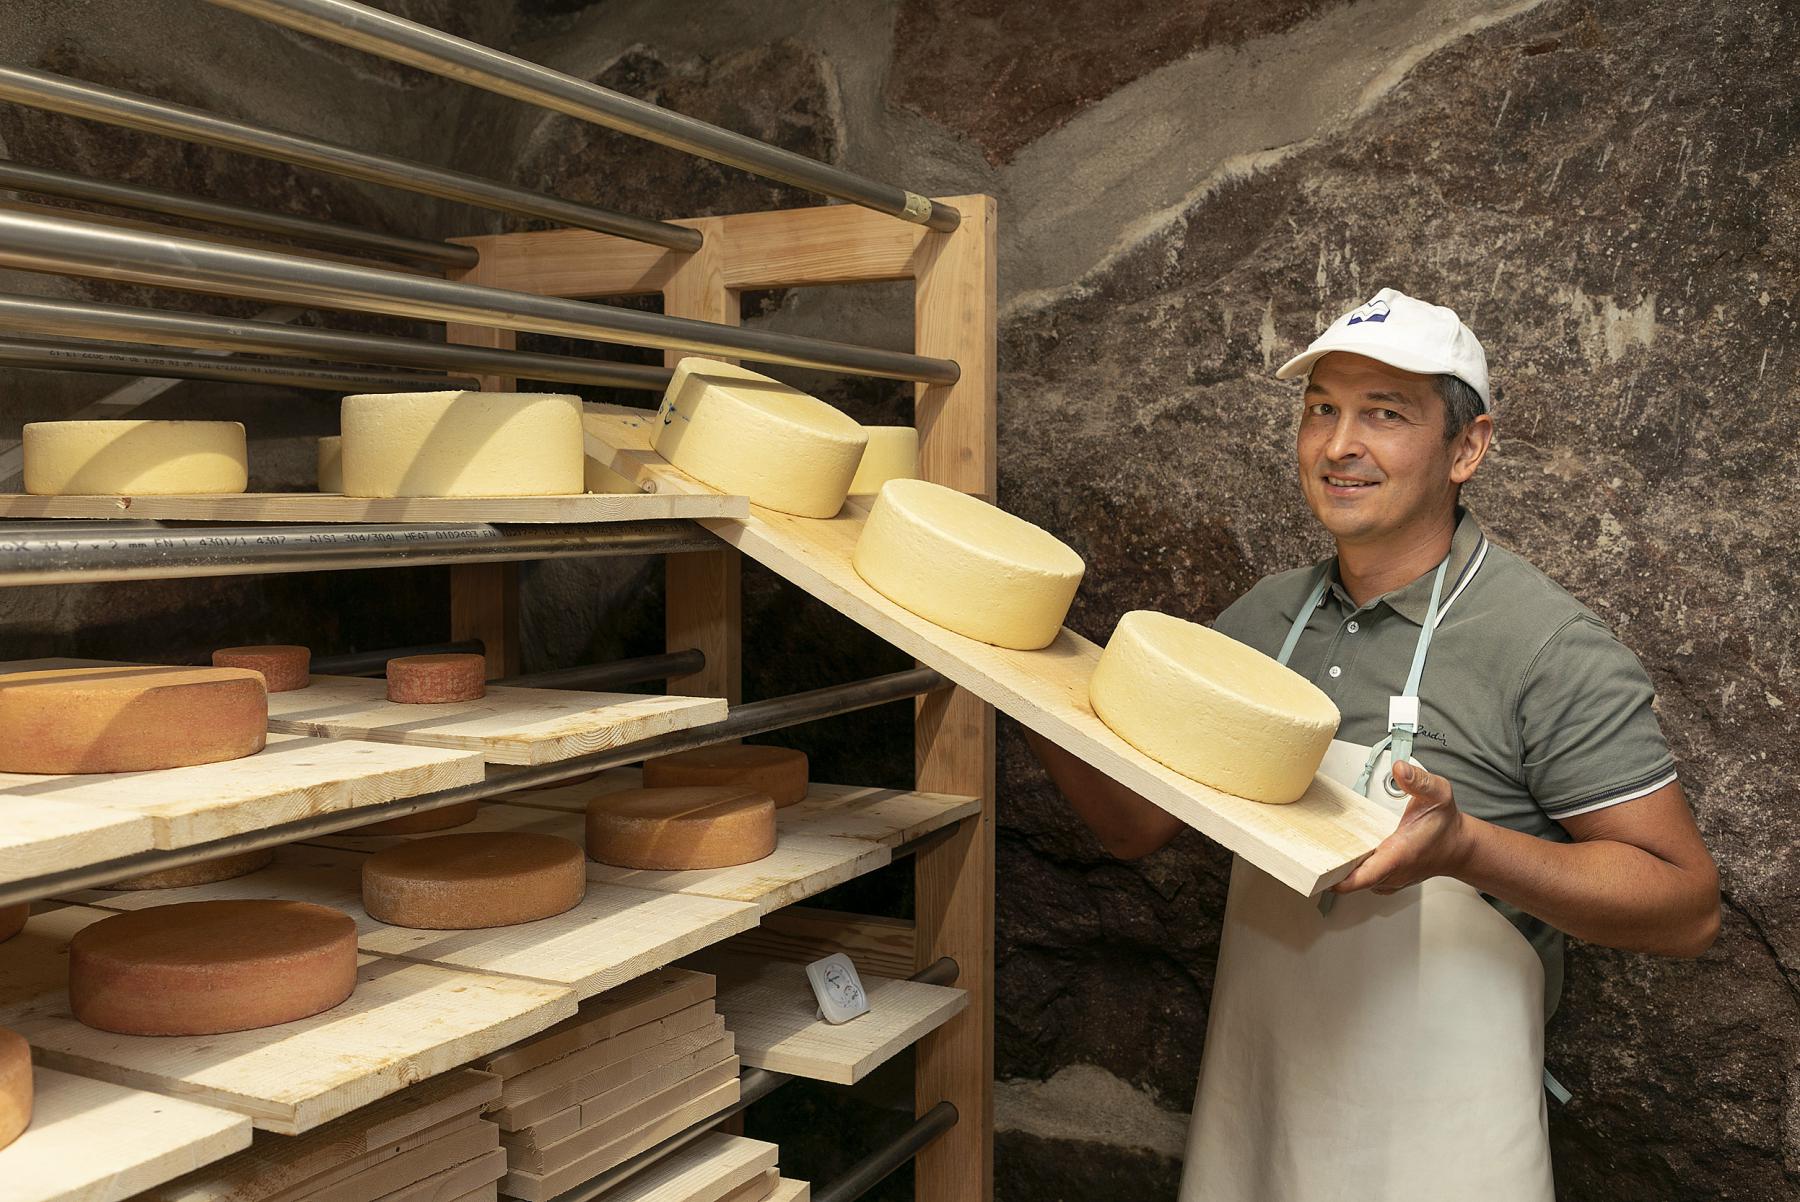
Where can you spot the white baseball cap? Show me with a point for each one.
(1402, 332)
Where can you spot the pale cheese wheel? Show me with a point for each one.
(743, 433)
(1212, 708)
(966, 565)
(437, 679)
(283, 667)
(201, 968)
(466, 882)
(461, 444)
(15, 1086)
(134, 457)
(206, 872)
(331, 463)
(779, 772)
(423, 822)
(129, 719)
(680, 829)
(892, 454)
(12, 919)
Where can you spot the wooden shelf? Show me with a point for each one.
(306, 507)
(707, 1170)
(406, 1021)
(93, 1141)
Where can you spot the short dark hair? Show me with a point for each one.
(1462, 404)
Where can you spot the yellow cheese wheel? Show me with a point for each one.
(779, 772)
(464, 882)
(331, 464)
(966, 565)
(461, 444)
(15, 1086)
(743, 433)
(129, 719)
(137, 458)
(680, 828)
(1211, 708)
(892, 454)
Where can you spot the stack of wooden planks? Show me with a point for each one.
(714, 1168)
(429, 1143)
(636, 1065)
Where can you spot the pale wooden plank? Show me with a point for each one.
(404, 1022)
(605, 1129)
(886, 947)
(93, 1141)
(695, 1027)
(471, 1176)
(534, 1187)
(569, 262)
(756, 1189)
(705, 1171)
(672, 1059)
(650, 997)
(42, 835)
(331, 508)
(427, 1158)
(770, 1008)
(1308, 845)
(790, 1191)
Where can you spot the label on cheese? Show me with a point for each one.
(129, 719)
(461, 444)
(892, 454)
(779, 772)
(15, 1086)
(1211, 708)
(744, 433)
(465, 882)
(967, 565)
(134, 458)
(680, 828)
(331, 464)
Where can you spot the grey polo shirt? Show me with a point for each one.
(1529, 705)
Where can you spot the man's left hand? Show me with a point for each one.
(1432, 839)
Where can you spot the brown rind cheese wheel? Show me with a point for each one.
(206, 872)
(15, 1086)
(12, 919)
(466, 882)
(680, 828)
(129, 719)
(421, 823)
(436, 679)
(780, 772)
(201, 968)
(284, 668)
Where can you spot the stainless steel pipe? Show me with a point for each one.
(77, 98)
(869, 1172)
(601, 677)
(51, 315)
(387, 36)
(51, 244)
(123, 359)
(47, 182)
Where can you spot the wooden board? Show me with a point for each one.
(307, 507)
(790, 1191)
(41, 835)
(707, 1170)
(428, 1156)
(650, 997)
(688, 1029)
(770, 1008)
(1308, 845)
(93, 1141)
(887, 947)
(685, 1054)
(612, 936)
(469, 1177)
(612, 1102)
(406, 1021)
(534, 1187)
(609, 1128)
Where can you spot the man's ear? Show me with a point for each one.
(1470, 448)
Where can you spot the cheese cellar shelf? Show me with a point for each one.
(290, 508)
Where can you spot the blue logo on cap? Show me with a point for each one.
(1375, 310)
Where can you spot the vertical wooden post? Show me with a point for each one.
(703, 590)
(954, 318)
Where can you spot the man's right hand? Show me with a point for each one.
(1126, 824)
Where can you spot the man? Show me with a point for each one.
(1390, 1046)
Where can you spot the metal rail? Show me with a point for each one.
(387, 36)
(619, 672)
(34, 243)
(124, 359)
(77, 98)
(869, 1172)
(48, 182)
(51, 315)
(105, 550)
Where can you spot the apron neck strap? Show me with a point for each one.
(1306, 610)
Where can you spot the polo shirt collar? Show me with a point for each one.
(1413, 601)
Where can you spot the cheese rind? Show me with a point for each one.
(129, 719)
(331, 463)
(461, 444)
(680, 829)
(892, 454)
(134, 457)
(206, 872)
(15, 1086)
(779, 772)
(283, 668)
(436, 679)
(966, 565)
(744, 433)
(422, 822)
(1212, 708)
(201, 968)
(12, 919)
(466, 882)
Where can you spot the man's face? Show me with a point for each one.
(1373, 457)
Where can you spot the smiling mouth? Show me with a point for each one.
(1348, 482)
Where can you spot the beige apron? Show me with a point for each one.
(1387, 1049)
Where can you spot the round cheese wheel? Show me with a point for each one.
(15, 1086)
(436, 679)
(421, 823)
(680, 828)
(743, 433)
(129, 719)
(331, 464)
(206, 872)
(966, 565)
(12, 919)
(141, 458)
(464, 882)
(283, 668)
(461, 444)
(892, 454)
(1211, 708)
(200, 968)
(779, 772)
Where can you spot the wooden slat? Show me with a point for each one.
(799, 867)
(650, 997)
(885, 947)
(332, 508)
(404, 1021)
(790, 1191)
(715, 1059)
(427, 1158)
(534, 1187)
(471, 1176)
(707, 1170)
(694, 1027)
(41, 835)
(682, 1055)
(571, 263)
(600, 1130)
(93, 1141)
